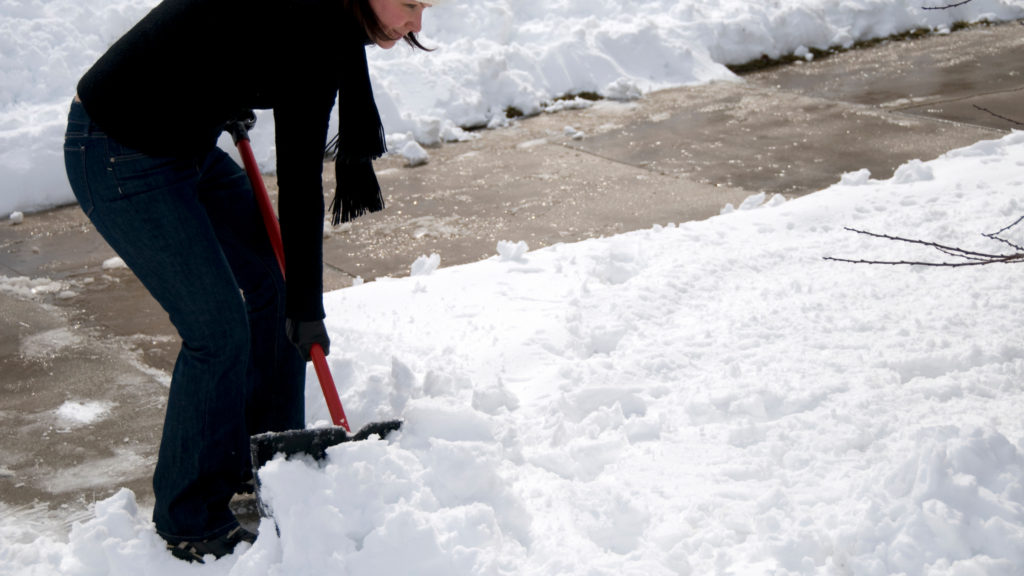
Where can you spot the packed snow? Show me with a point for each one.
(712, 397)
(80, 413)
(491, 54)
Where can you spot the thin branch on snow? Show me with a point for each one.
(995, 236)
(967, 257)
(946, 7)
(1015, 222)
(998, 116)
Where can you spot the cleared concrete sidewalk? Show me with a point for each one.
(672, 156)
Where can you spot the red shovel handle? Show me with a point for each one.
(323, 373)
(263, 200)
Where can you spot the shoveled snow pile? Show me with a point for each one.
(491, 54)
(706, 398)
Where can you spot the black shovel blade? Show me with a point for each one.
(313, 442)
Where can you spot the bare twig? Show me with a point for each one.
(946, 7)
(998, 116)
(1008, 260)
(955, 255)
(959, 251)
(1015, 222)
(1005, 241)
(967, 257)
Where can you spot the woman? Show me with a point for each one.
(141, 156)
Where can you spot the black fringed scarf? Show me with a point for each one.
(360, 138)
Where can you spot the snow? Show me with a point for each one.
(424, 265)
(80, 413)
(512, 250)
(24, 287)
(414, 153)
(491, 54)
(39, 288)
(712, 397)
(114, 263)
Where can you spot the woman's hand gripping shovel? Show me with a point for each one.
(312, 442)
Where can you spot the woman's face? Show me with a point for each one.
(398, 17)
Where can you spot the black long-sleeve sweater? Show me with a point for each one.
(167, 87)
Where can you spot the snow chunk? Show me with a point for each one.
(424, 265)
(752, 202)
(858, 178)
(913, 171)
(776, 200)
(114, 263)
(622, 89)
(24, 287)
(415, 154)
(509, 251)
(46, 286)
(17, 217)
(576, 103)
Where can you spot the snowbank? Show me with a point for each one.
(712, 397)
(491, 54)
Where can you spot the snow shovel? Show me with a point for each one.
(312, 442)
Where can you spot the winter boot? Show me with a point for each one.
(219, 546)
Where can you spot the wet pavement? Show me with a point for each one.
(780, 142)
(57, 377)
(921, 77)
(85, 358)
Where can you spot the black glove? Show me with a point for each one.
(239, 126)
(305, 334)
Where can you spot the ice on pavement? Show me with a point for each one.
(40, 288)
(49, 343)
(712, 397)
(491, 55)
(25, 287)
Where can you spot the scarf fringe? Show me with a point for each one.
(377, 149)
(359, 122)
(362, 191)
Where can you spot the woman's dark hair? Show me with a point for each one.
(365, 15)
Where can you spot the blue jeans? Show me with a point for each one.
(190, 230)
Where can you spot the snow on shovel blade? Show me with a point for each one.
(313, 443)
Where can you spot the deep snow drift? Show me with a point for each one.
(491, 54)
(706, 398)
